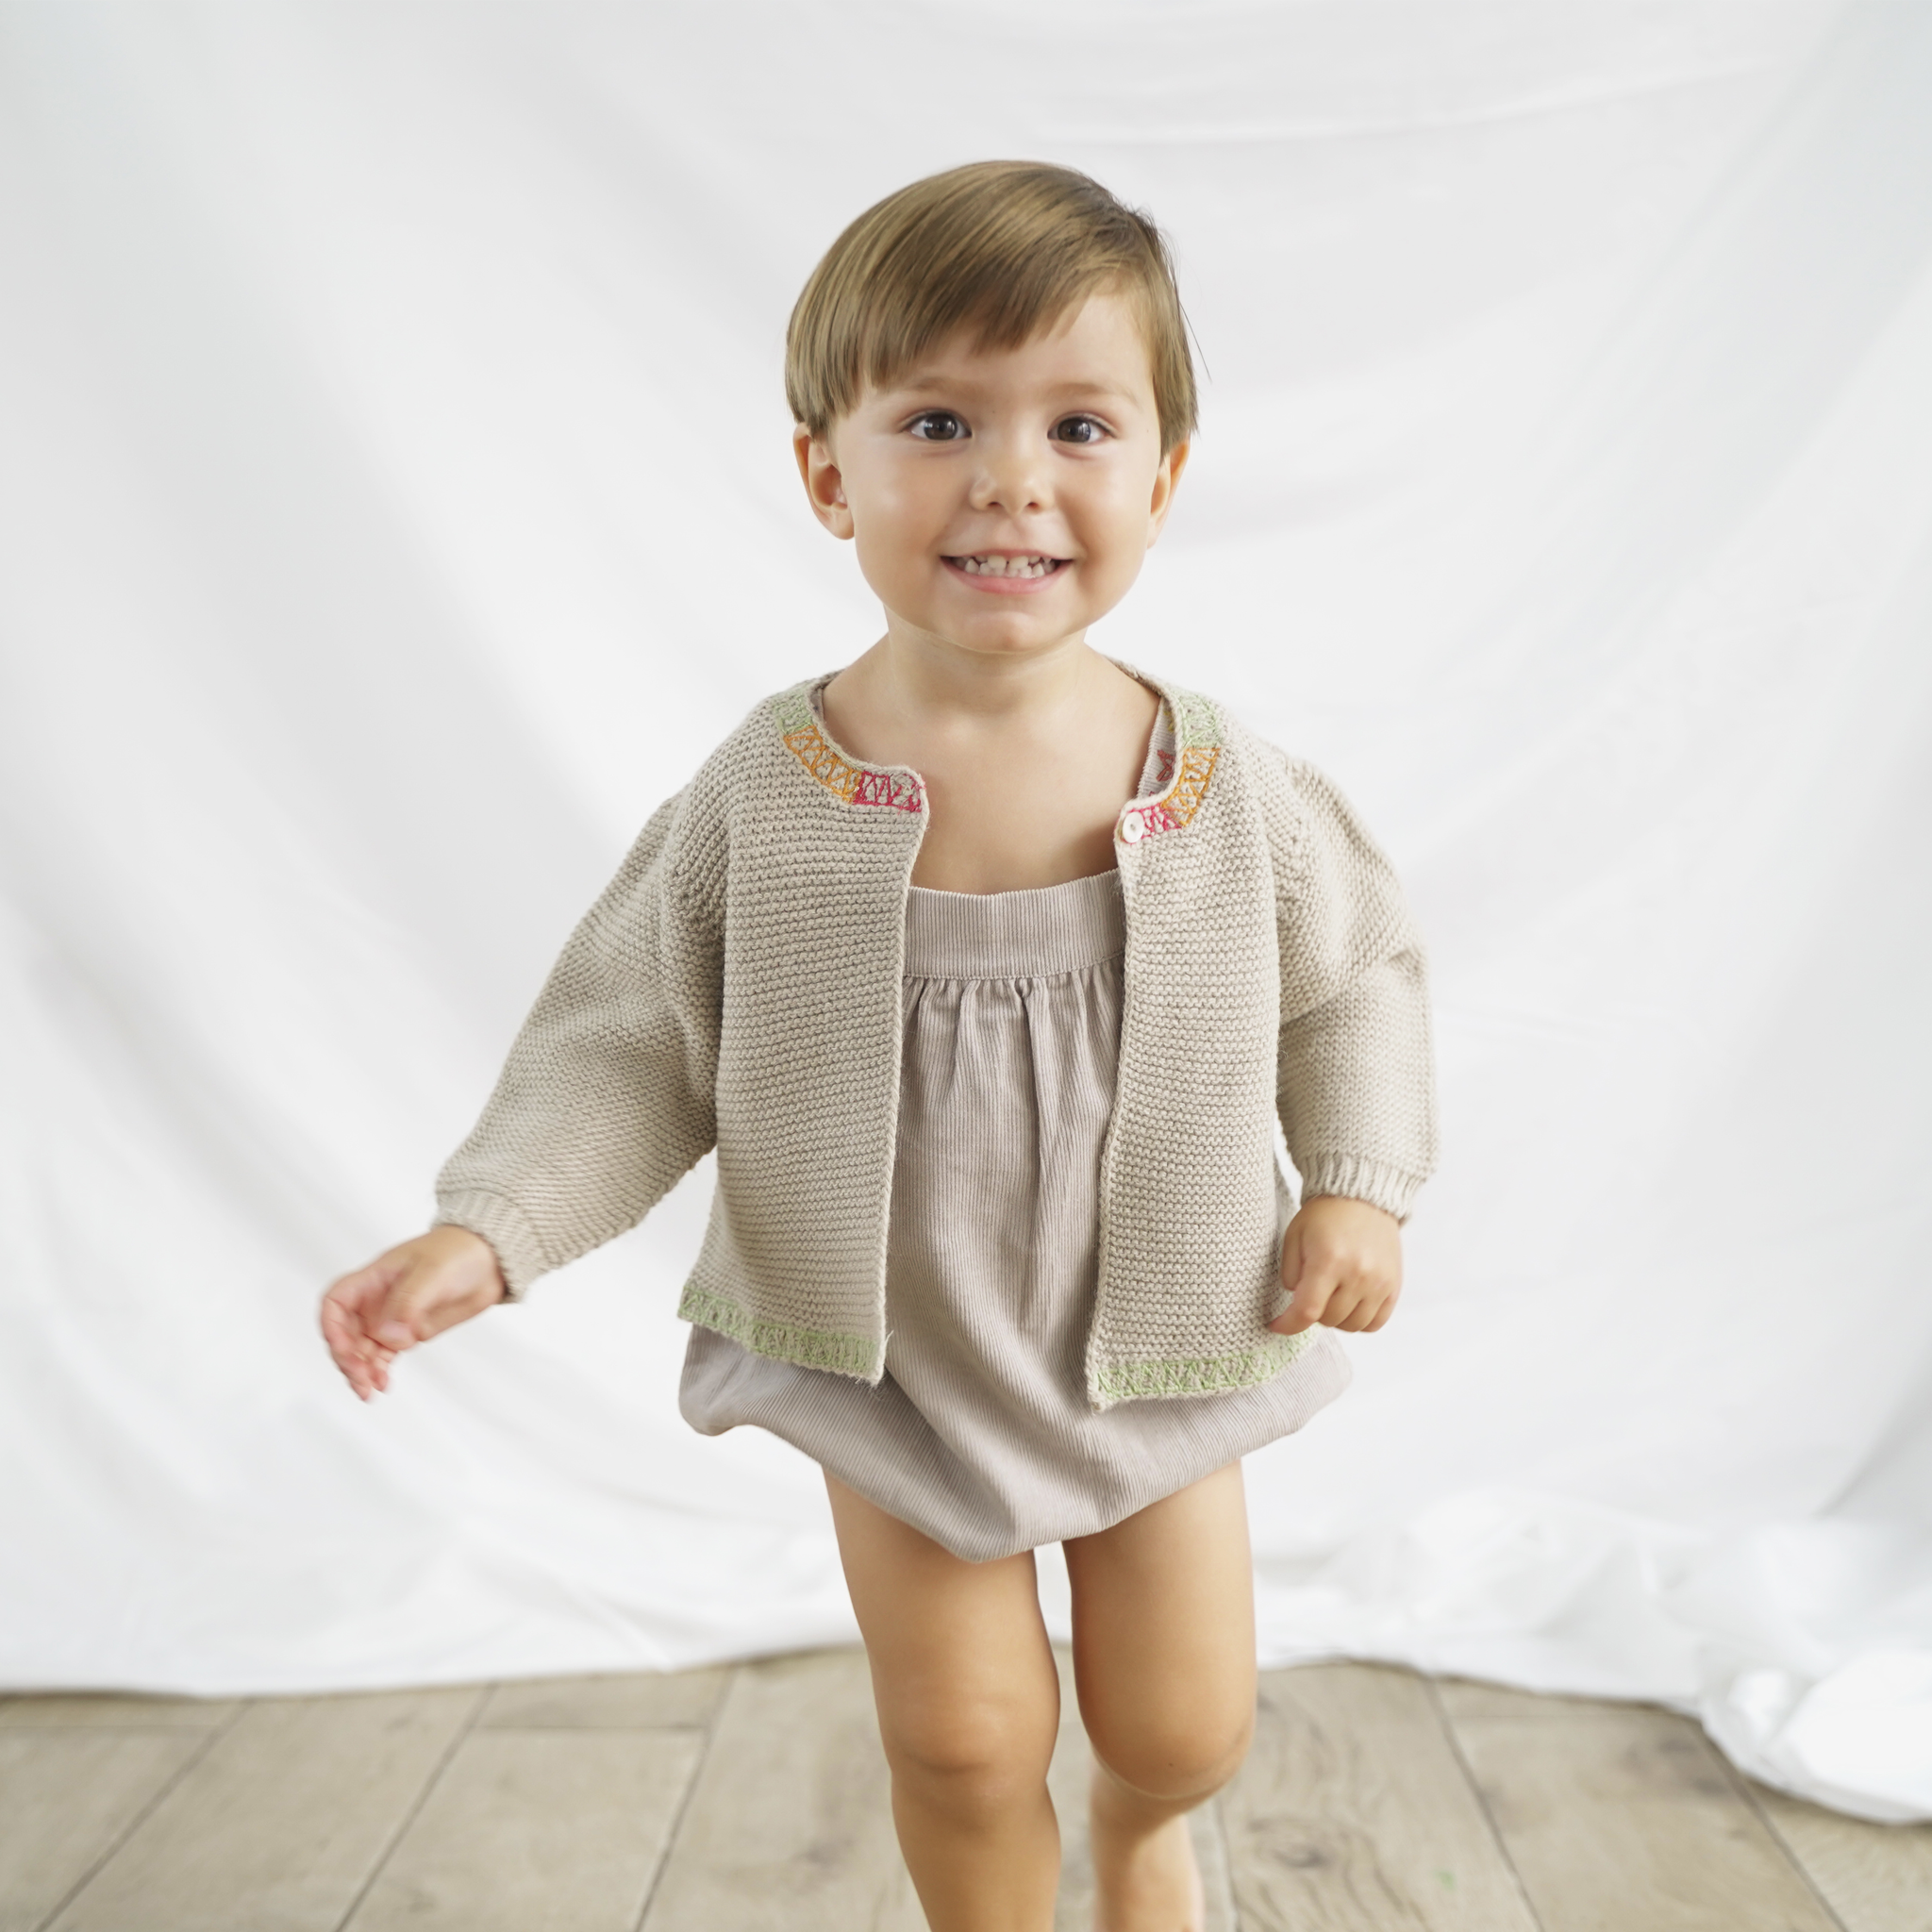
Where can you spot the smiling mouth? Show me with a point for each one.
(993, 566)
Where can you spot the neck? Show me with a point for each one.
(915, 671)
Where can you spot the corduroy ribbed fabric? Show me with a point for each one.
(738, 985)
(980, 1433)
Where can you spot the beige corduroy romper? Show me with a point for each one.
(981, 1433)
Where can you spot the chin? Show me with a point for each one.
(1013, 641)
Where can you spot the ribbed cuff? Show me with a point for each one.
(504, 1225)
(1358, 1178)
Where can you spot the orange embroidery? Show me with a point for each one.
(1180, 803)
(1191, 787)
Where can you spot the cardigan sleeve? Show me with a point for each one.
(1355, 1069)
(608, 1095)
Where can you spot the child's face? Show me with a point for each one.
(1002, 500)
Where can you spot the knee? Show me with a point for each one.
(1180, 1756)
(977, 1756)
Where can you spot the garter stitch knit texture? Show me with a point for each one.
(737, 986)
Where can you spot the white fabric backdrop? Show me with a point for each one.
(396, 504)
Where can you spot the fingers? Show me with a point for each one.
(1307, 1302)
(1341, 1265)
(1323, 1296)
(405, 1296)
(352, 1320)
(1331, 1299)
(1311, 1277)
(1358, 1307)
(363, 1363)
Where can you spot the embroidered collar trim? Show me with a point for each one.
(890, 786)
(1197, 737)
(1188, 768)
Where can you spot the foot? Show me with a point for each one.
(1147, 1884)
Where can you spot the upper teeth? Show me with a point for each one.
(1006, 566)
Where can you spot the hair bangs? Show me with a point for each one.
(1002, 250)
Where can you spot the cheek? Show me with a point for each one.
(1117, 511)
(897, 518)
(883, 493)
(890, 532)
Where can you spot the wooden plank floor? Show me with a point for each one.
(752, 1798)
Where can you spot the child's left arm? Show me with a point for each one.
(1354, 1070)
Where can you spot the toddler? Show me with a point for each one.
(987, 966)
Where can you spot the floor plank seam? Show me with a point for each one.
(215, 1733)
(1481, 1796)
(414, 1811)
(690, 1786)
(1778, 1838)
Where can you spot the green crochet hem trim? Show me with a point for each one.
(1207, 1376)
(808, 1348)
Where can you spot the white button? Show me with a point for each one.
(1133, 829)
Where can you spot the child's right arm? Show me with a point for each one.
(606, 1100)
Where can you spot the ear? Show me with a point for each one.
(1166, 481)
(824, 488)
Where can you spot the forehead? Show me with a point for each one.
(1097, 345)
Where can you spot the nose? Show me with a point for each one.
(1013, 476)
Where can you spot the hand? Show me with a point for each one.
(403, 1297)
(1341, 1266)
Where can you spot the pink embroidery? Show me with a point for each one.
(1174, 810)
(1164, 767)
(884, 787)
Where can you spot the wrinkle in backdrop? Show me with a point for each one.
(398, 504)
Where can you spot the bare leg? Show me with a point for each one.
(969, 1706)
(1164, 1663)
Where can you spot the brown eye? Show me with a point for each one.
(1079, 429)
(937, 426)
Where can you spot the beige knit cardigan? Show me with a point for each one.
(737, 986)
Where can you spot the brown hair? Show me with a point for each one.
(1003, 248)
